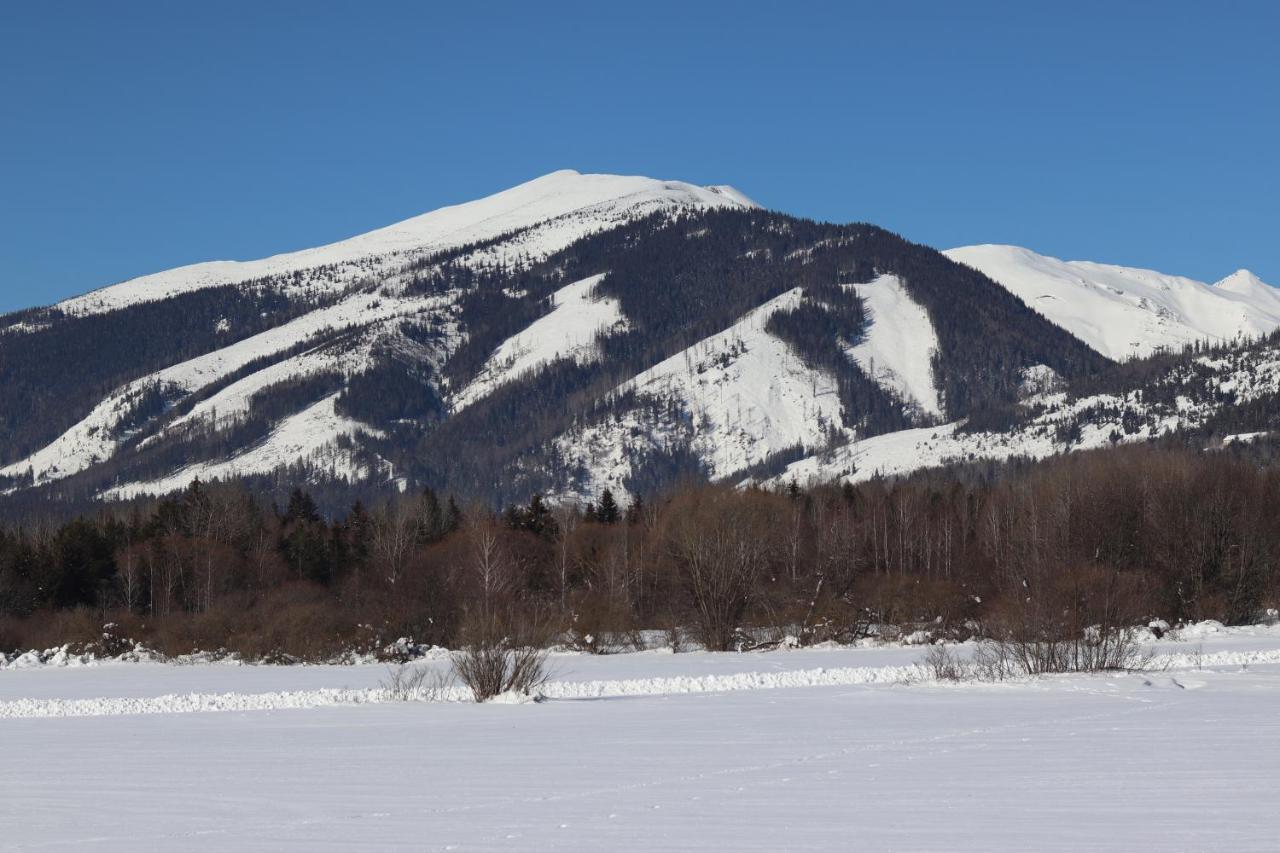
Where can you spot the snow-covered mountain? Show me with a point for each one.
(572, 333)
(1216, 399)
(1124, 312)
(356, 285)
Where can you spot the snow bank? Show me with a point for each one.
(599, 689)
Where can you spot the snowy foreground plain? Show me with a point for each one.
(786, 750)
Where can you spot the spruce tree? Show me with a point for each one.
(635, 512)
(608, 512)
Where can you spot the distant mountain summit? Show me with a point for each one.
(571, 333)
(1124, 312)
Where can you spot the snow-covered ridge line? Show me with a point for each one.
(306, 435)
(602, 689)
(1123, 312)
(553, 196)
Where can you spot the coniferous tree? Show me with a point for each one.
(608, 512)
(301, 507)
(635, 512)
(434, 522)
(453, 516)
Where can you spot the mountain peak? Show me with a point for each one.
(1240, 281)
(563, 206)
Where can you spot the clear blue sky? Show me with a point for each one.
(139, 136)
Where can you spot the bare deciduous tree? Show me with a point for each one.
(719, 547)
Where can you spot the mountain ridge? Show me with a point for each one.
(544, 198)
(1126, 312)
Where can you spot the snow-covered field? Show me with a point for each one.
(814, 749)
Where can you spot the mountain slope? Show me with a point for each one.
(488, 348)
(1226, 395)
(1123, 312)
(569, 330)
(183, 330)
(900, 344)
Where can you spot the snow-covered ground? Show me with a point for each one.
(900, 343)
(568, 331)
(746, 393)
(780, 750)
(308, 435)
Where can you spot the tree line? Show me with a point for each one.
(1110, 537)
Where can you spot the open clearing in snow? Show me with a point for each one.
(1178, 759)
(568, 331)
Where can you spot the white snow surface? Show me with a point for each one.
(908, 450)
(1123, 312)
(813, 749)
(568, 332)
(593, 200)
(306, 436)
(233, 401)
(95, 437)
(746, 393)
(900, 343)
(1248, 375)
(1248, 286)
(610, 688)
